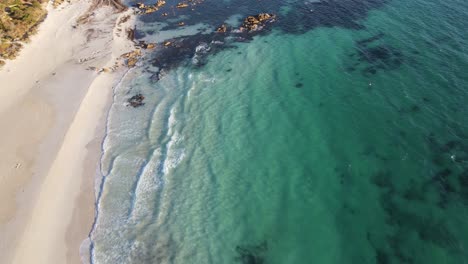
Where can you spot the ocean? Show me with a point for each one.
(337, 133)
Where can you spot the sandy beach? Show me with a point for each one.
(54, 104)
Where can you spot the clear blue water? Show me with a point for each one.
(338, 134)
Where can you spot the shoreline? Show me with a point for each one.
(48, 176)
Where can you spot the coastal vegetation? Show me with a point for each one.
(18, 20)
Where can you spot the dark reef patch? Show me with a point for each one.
(253, 254)
(303, 17)
(373, 55)
(381, 57)
(417, 208)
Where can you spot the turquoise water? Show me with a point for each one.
(337, 143)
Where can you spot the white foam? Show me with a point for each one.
(148, 184)
(171, 120)
(175, 153)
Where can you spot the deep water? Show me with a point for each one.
(337, 134)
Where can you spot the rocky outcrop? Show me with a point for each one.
(132, 57)
(148, 9)
(253, 23)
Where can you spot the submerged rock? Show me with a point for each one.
(136, 100)
(182, 5)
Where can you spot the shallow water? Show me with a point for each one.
(337, 135)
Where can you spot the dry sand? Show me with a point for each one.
(52, 122)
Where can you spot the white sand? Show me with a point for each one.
(52, 115)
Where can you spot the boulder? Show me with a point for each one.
(132, 57)
(222, 29)
(160, 3)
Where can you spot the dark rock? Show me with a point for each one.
(136, 100)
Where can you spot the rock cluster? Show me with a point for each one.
(148, 9)
(136, 100)
(144, 45)
(252, 23)
(132, 57)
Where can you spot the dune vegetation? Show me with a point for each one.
(18, 20)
